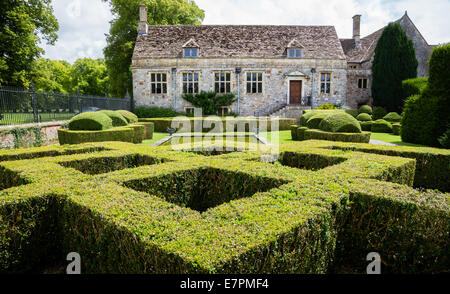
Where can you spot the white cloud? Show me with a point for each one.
(84, 23)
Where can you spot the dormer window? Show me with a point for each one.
(190, 52)
(294, 49)
(294, 53)
(190, 48)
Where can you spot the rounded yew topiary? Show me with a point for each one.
(129, 116)
(314, 121)
(378, 112)
(340, 123)
(366, 125)
(393, 117)
(90, 121)
(117, 119)
(365, 109)
(381, 126)
(364, 117)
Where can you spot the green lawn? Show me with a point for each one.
(390, 138)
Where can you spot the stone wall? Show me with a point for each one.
(29, 135)
(276, 76)
(356, 96)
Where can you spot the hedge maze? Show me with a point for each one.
(133, 209)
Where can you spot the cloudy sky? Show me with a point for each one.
(84, 23)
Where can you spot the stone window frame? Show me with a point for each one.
(253, 82)
(162, 85)
(223, 81)
(188, 83)
(361, 83)
(330, 82)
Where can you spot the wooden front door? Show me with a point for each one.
(295, 92)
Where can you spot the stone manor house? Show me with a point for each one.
(272, 70)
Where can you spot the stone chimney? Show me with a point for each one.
(357, 29)
(143, 25)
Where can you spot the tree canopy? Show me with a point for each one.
(394, 61)
(23, 25)
(123, 33)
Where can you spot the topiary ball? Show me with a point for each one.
(129, 116)
(364, 117)
(392, 117)
(365, 109)
(378, 112)
(340, 123)
(90, 121)
(117, 119)
(381, 126)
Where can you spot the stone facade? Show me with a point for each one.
(261, 49)
(277, 73)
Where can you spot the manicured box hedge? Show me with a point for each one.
(133, 133)
(161, 124)
(133, 209)
(363, 137)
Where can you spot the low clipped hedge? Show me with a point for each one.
(294, 132)
(340, 123)
(381, 126)
(129, 116)
(117, 119)
(393, 117)
(161, 124)
(396, 129)
(133, 209)
(149, 129)
(364, 117)
(311, 134)
(365, 109)
(132, 133)
(90, 121)
(314, 121)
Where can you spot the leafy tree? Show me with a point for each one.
(394, 61)
(90, 76)
(210, 102)
(123, 33)
(23, 25)
(52, 76)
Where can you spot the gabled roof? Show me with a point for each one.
(191, 44)
(295, 44)
(221, 41)
(365, 51)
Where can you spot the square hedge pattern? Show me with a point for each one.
(133, 209)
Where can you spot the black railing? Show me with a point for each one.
(22, 106)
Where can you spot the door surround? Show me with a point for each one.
(288, 86)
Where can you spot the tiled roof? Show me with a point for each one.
(239, 41)
(365, 51)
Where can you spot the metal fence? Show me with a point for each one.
(22, 106)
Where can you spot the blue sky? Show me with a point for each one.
(84, 23)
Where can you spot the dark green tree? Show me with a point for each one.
(394, 61)
(123, 33)
(23, 25)
(52, 76)
(90, 76)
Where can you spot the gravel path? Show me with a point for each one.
(376, 142)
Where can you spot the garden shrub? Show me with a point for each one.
(129, 116)
(294, 132)
(314, 121)
(364, 117)
(301, 133)
(90, 121)
(378, 112)
(366, 126)
(149, 129)
(365, 109)
(117, 119)
(363, 137)
(415, 86)
(340, 123)
(326, 106)
(321, 203)
(392, 117)
(381, 126)
(444, 140)
(352, 112)
(155, 112)
(396, 128)
(132, 133)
